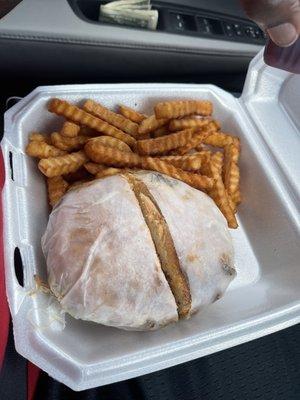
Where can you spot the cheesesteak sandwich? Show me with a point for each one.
(137, 251)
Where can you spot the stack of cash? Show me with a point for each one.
(136, 13)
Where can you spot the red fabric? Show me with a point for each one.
(32, 378)
(4, 311)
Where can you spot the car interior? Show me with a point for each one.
(57, 42)
(62, 41)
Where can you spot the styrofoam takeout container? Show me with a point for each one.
(262, 299)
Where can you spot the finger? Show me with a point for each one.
(295, 19)
(283, 35)
(287, 33)
(280, 18)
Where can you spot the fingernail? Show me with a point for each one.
(283, 35)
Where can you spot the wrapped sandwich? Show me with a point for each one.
(137, 251)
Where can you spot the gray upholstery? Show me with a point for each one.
(51, 27)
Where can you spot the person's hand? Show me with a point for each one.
(279, 18)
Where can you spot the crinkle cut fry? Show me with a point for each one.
(94, 168)
(195, 141)
(110, 171)
(160, 132)
(57, 187)
(190, 162)
(182, 108)
(68, 143)
(131, 114)
(218, 192)
(39, 137)
(62, 165)
(112, 142)
(218, 160)
(117, 120)
(42, 150)
(75, 114)
(186, 123)
(104, 155)
(236, 198)
(219, 139)
(196, 180)
(69, 129)
(163, 144)
(232, 172)
(151, 124)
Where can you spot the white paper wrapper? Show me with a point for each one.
(49, 315)
(101, 260)
(200, 234)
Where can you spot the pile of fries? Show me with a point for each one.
(181, 139)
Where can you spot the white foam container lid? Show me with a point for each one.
(265, 296)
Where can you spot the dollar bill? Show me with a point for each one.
(132, 4)
(132, 18)
(126, 13)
